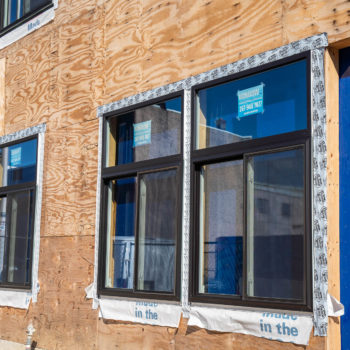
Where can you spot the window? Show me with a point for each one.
(285, 209)
(250, 158)
(262, 205)
(141, 201)
(18, 167)
(15, 12)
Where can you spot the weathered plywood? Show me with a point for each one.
(99, 51)
(63, 317)
(69, 197)
(332, 102)
(169, 41)
(2, 94)
(304, 18)
(124, 335)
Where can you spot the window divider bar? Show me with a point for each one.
(128, 169)
(18, 187)
(221, 153)
(136, 230)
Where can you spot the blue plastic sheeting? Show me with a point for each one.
(344, 163)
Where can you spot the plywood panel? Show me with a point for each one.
(99, 51)
(65, 270)
(305, 18)
(332, 100)
(80, 65)
(70, 181)
(2, 94)
(124, 335)
(173, 40)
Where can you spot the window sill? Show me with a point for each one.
(19, 299)
(153, 312)
(35, 21)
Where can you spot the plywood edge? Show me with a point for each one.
(2, 95)
(341, 44)
(332, 105)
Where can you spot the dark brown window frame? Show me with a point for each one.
(241, 150)
(30, 186)
(136, 169)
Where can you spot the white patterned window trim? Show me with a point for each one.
(315, 45)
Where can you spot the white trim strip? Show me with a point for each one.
(28, 27)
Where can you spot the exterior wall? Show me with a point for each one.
(96, 52)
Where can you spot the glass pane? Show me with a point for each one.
(120, 233)
(146, 133)
(221, 228)
(3, 202)
(275, 224)
(36, 4)
(13, 10)
(157, 231)
(16, 238)
(264, 104)
(18, 163)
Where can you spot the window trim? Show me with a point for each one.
(22, 20)
(135, 169)
(241, 150)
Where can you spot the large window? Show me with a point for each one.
(15, 12)
(251, 188)
(18, 167)
(141, 201)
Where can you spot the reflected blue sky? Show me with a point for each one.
(21, 162)
(174, 104)
(27, 153)
(284, 103)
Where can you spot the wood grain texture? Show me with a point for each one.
(70, 179)
(99, 51)
(2, 94)
(332, 103)
(304, 18)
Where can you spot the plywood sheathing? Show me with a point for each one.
(332, 103)
(2, 94)
(99, 51)
(70, 180)
(304, 18)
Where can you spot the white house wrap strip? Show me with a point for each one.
(276, 325)
(319, 195)
(28, 27)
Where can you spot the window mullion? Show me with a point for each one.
(7, 237)
(244, 257)
(136, 232)
(2, 4)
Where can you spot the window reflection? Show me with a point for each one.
(146, 133)
(221, 228)
(16, 236)
(18, 163)
(120, 233)
(157, 231)
(273, 102)
(275, 237)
